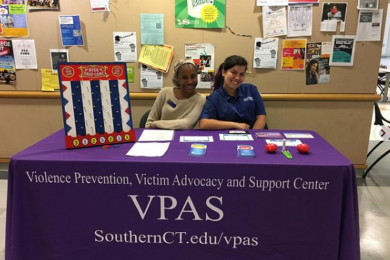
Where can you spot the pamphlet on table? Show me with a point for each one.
(148, 149)
(235, 137)
(156, 135)
(198, 150)
(196, 139)
(298, 135)
(279, 142)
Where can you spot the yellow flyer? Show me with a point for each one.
(50, 80)
(293, 54)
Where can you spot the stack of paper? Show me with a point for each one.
(156, 135)
(157, 57)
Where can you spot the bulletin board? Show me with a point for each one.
(243, 17)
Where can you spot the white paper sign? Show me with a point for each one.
(265, 53)
(25, 54)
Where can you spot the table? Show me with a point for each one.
(95, 203)
(386, 90)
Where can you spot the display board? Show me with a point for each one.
(124, 16)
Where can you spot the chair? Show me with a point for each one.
(378, 121)
(381, 82)
(142, 122)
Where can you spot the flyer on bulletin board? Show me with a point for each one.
(13, 18)
(293, 54)
(71, 34)
(200, 14)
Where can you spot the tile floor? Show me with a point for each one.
(374, 204)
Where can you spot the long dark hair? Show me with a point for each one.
(229, 63)
(308, 67)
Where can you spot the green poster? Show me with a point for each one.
(130, 74)
(200, 13)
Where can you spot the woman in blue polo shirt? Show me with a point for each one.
(233, 104)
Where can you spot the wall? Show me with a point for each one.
(26, 119)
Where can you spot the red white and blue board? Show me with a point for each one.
(95, 103)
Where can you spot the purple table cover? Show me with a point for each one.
(95, 203)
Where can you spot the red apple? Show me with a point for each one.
(303, 148)
(271, 148)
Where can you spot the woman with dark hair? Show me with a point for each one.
(312, 72)
(233, 104)
(178, 107)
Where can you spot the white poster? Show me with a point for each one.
(274, 21)
(300, 20)
(150, 78)
(271, 2)
(265, 53)
(203, 54)
(100, 6)
(25, 54)
(369, 25)
(125, 46)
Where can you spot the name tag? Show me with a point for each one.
(170, 102)
(248, 98)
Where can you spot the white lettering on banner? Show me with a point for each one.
(110, 179)
(299, 183)
(202, 182)
(170, 237)
(154, 180)
(33, 176)
(172, 201)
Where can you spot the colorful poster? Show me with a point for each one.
(317, 63)
(25, 54)
(95, 104)
(200, 14)
(13, 18)
(7, 63)
(293, 54)
(265, 53)
(43, 5)
(300, 20)
(71, 34)
(333, 13)
(203, 55)
(274, 21)
(125, 46)
(343, 50)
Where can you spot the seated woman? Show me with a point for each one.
(178, 107)
(233, 104)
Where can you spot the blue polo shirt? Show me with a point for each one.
(243, 108)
